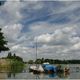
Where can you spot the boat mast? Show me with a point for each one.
(36, 48)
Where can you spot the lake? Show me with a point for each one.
(25, 74)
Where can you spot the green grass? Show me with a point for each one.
(12, 65)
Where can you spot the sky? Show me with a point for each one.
(54, 24)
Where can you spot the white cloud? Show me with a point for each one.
(44, 38)
(59, 36)
(12, 32)
(75, 40)
(10, 12)
(76, 46)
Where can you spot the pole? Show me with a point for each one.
(36, 48)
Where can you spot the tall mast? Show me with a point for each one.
(36, 48)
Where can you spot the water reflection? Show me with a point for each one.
(14, 70)
(18, 72)
(11, 71)
(63, 75)
(51, 76)
(9, 75)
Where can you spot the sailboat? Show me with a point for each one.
(36, 68)
(45, 67)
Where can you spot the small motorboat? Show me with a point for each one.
(66, 69)
(63, 70)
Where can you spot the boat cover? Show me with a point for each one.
(49, 67)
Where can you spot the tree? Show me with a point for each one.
(3, 42)
(38, 61)
(30, 62)
(9, 55)
(14, 55)
(2, 2)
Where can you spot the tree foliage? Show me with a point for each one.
(3, 42)
(2, 2)
(54, 61)
(10, 56)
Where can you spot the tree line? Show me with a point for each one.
(10, 56)
(53, 61)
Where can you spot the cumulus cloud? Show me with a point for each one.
(58, 37)
(12, 32)
(63, 42)
(10, 12)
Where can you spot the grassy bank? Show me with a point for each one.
(11, 65)
(16, 66)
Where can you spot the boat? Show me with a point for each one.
(35, 68)
(46, 67)
(66, 70)
(32, 68)
(50, 68)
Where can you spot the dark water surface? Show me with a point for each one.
(25, 74)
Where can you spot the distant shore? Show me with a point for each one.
(53, 61)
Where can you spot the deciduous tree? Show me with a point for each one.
(3, 42)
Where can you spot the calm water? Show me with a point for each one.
(25, 74)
